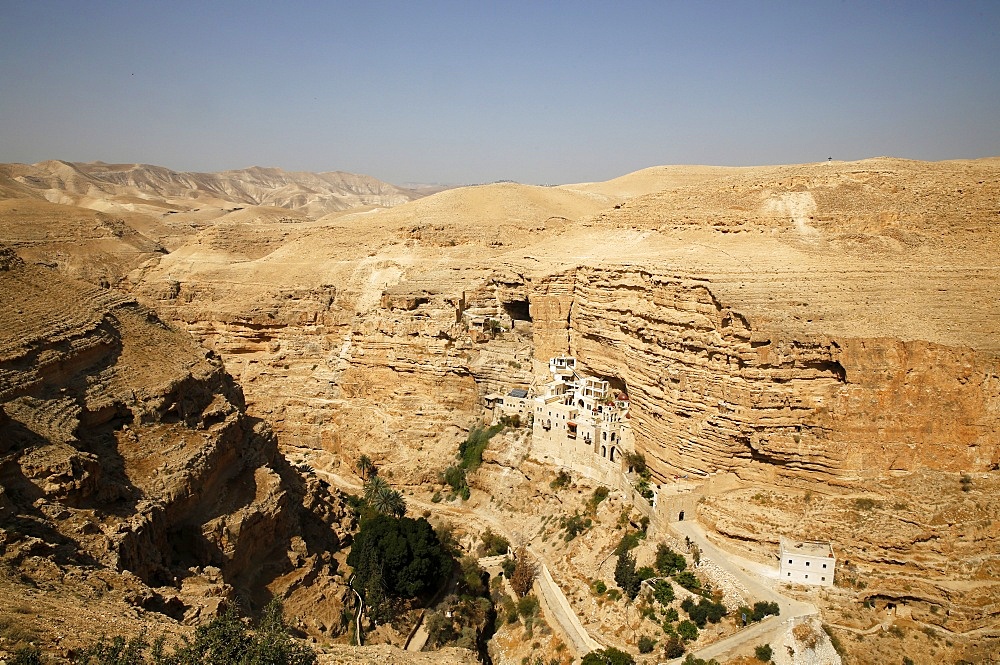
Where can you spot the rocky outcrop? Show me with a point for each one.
(922, 541)
(93, 246)
(127, 448)
(712, 390)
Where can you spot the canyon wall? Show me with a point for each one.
(126, 448)
(712, 391)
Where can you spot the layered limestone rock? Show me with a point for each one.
(923, 542)
(127, 449)
(93, 246)
(711, 390)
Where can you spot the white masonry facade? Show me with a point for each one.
(806, 562)
(581, 423)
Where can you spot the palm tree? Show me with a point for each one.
(373, 487)
(389, 502)
(365, 467)
(493, 327)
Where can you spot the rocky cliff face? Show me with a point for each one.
(798, 322)
(714, 390)
(127, 449)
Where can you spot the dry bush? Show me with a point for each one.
(524, 574)
(806, 636)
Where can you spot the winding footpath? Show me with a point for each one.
(751, 575)
(756, 578)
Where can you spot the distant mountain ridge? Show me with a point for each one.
(151, 188)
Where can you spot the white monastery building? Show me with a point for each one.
(806, 562)
(580, 423)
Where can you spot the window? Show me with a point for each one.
(807, 576)
(822, 579)
(824, 565)
(807, 563)
(789, 574)
(789, 561)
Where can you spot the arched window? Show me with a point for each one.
(613, 451)
(604, 451)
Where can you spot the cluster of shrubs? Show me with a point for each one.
(575, 524)
(703, 611)
(671, 568)
(465, 616)
(760, 610)
(470, 457)
(226, 640)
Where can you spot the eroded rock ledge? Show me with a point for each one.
(126, 449)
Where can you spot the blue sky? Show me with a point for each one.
(459, 92)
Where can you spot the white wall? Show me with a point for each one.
(805, 569)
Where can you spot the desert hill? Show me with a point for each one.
(156, 190)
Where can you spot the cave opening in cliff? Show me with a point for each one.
(616, 385)
(518, 310)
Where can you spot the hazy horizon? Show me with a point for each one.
(456, 93)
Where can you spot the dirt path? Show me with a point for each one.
(560, 614)
(754, 577)
(756, 580)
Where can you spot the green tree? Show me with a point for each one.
(389, 501)
(492, 327)
(673, 647)
(271, 642)
(628, 542)
(508, 566)
(365, 467)
(687, 630)
(625, 576)
(668, 561)
(404, 553)
(608, 656)
(599, 495)
(455, 477)
(470, 451)
(687, 580)
(691, 660)
(373, 487)
(638, 463)
(763, 653)
(663, 592)
(493, 544)
(763, 609)
(646, 644)
(705, 611)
